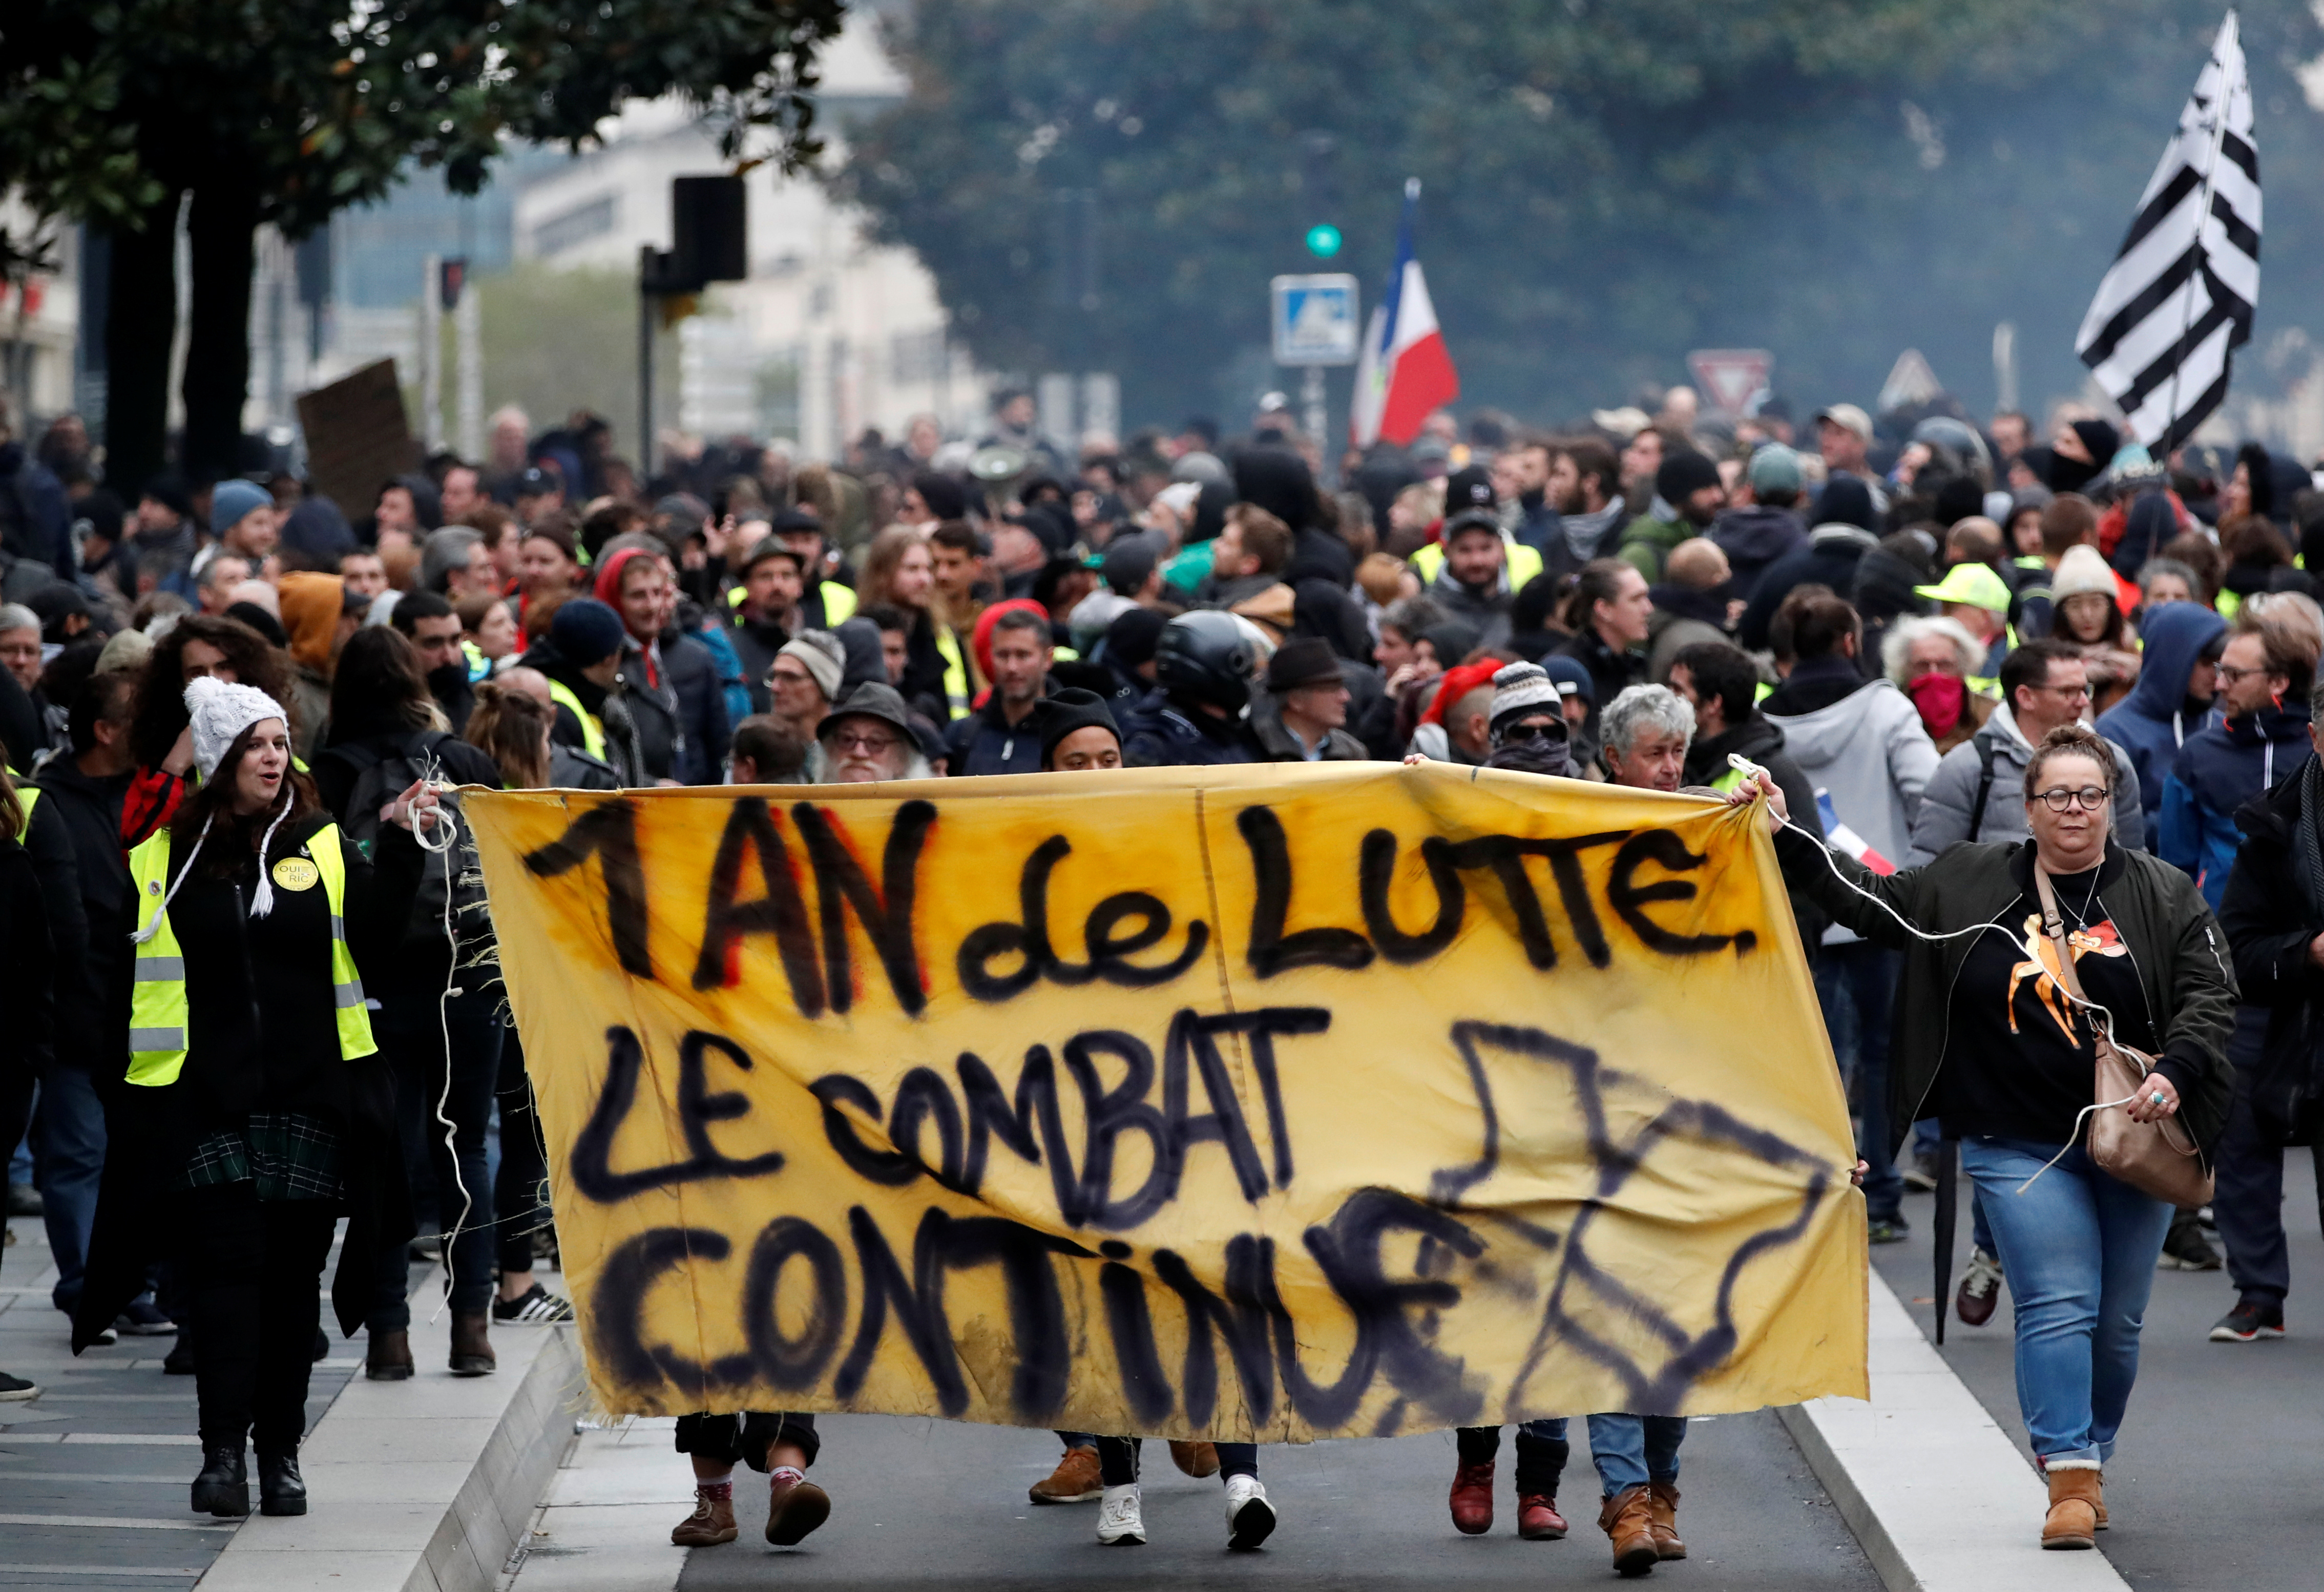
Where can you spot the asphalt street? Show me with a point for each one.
(2214, 1483)
(933, 1503)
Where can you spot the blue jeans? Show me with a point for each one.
(1629, 1450)
(69, 1162)
(2080, 1250)
(1865, 975)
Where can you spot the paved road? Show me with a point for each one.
(2215, 1483)
(931, 1503)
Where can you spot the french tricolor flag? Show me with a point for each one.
(1846, 840)
(1404, 371)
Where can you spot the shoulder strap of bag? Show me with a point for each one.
(1986, 751)
(2054, 926)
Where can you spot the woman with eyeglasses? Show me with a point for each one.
(1989, 1040)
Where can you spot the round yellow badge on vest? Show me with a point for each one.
(296, 873)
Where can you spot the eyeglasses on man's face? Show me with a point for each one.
(856, 741)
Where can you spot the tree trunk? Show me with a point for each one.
(221, 230)
(141, 320)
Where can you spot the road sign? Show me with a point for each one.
(1910, 382)
(1316, 319)
(1730, 378)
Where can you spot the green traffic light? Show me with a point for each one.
(1323, 240)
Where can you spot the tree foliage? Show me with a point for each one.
(283, 111)
(1607, 185)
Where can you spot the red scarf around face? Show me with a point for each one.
(1941, 699)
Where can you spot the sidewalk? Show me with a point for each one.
(93, 1472)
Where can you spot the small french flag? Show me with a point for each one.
(1403, 372)
(1846, 841)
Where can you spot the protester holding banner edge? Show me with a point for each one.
(2078, 1245)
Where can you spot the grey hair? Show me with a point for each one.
(15, 616)
(1412, 615)
(1897, 646)
(1646, 707)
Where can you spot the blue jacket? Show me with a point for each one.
(2151, 724)
(2217, 772)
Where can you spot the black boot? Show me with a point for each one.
(282, 1490)
(223, 1489)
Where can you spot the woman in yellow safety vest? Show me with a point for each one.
(249, 1037)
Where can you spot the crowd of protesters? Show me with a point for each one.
(1898, 619)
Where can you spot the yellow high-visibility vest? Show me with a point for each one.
(158, 1013)
(592, 734)
(956, 691)
(1524, 562)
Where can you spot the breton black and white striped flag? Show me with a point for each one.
(2180, 295)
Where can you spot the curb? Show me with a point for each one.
(1938, 1496)
(425, 1486)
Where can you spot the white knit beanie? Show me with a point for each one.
(221, 711)
(2082, 570)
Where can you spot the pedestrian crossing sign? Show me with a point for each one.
(1315, 319)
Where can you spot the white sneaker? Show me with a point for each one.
(1119, 1522)
(1250, 1516)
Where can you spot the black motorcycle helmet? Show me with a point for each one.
(1208, 656)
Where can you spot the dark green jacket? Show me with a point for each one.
(2180, 955)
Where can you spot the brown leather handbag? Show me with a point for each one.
(2157, 1159)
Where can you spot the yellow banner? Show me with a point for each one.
(1259, 1103)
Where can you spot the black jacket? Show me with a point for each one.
(1762, 742)
(2180, 955)
(27, 988)
(984, 742)
(93, 1007)
(1830, 559)
(2272, 909)
(262, 1034)
(692, 689)
(756, 641)
(1161, 733)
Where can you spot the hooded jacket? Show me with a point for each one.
(2217, 771)
(1829, 559)
(2174, 943)
(1946, 817)
(1862, 744)
(1753, 537)
(2152, 723)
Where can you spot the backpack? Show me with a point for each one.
(453, 875)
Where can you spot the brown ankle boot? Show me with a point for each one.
(712, 1521)
(2073, 1517)
(388, 1358)
(1628, 1520)
(1662, 1510)
(471, 1349)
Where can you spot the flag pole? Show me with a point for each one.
(2202, 220)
